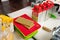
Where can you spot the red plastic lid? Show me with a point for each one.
(37, 9)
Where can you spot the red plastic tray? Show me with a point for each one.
(23, 29)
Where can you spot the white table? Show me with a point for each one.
(41, 35)
(57, 2)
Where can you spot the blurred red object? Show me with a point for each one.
(37, 9)
(42, 7)
(25, 30)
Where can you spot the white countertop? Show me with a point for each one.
(41, 35)
(27, 10)
(56, 2)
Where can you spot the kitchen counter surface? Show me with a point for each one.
(41, 35)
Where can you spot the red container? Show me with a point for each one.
(40, 9)
(25, 30)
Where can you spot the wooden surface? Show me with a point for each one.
(11, 6)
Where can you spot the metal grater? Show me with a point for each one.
(56, 34)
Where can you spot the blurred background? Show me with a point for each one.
(8, 6)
